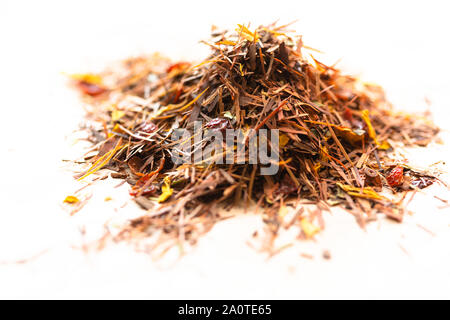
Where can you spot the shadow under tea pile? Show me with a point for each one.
(335, 135)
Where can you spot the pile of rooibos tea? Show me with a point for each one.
(260, 122)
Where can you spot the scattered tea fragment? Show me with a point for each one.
(71, 199)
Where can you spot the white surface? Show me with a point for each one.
(400, 45)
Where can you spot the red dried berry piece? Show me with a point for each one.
(138, 187)
(177, 94)
(395, 178)
(147, 127)
(179, 66)
(218, 124)
(347, 114)
(286, 187)
(90, 89)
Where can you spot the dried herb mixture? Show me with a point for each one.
(336, 135)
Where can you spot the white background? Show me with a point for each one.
(402, 45)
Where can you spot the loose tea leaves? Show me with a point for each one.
(335, 136)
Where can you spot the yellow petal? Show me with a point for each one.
(240, 69)
(71, 199)
(308, 228)
(87, 77)
(284, 139)
(227, 42)
(384, 145)
(283, 211)
(166, 190)
(247, 34)
(324, 156)
(103, 160)
(367, 192)
(370, 129)
(117, 114)
(317, 166)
